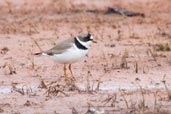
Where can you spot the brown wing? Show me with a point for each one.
(60, 47)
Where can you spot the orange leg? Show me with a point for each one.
(73, 77)
(65, 74)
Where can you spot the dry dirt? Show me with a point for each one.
(127, 72)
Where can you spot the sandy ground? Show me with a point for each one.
(127, 72)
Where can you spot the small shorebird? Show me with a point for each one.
(70, 51)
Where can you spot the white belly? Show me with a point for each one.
(70, 56)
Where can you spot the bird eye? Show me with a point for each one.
(88, 37)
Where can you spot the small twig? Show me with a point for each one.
(155, 102)
(143, 100)
(125, 100)
(36, 44)
(12, 69)
(154, 57)
(42, 84)
(167, 89)
(98, 85)
(112, 99)
(136, 67)
(74, 111)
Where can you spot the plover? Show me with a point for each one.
(70, 51)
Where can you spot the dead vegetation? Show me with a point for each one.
(124, 63)
(135, 105)
(94, 110)
(23, 90)
(162, 47)
(4, 50)
(125, 46)
(56, 90)
(9, 69)
(166, 87)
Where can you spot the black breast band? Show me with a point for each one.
(79, 45)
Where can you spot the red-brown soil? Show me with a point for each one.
(127, 72)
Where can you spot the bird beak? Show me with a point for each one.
(94, 41)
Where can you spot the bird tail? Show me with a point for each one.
(38, 53)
